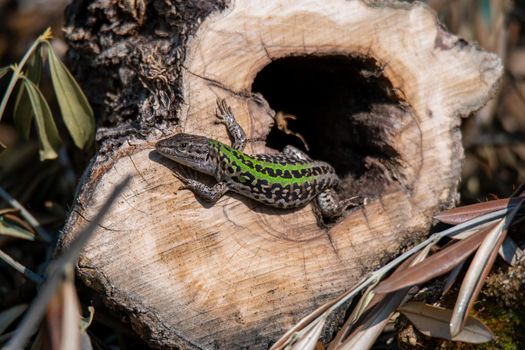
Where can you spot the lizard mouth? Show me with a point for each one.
(340, 109)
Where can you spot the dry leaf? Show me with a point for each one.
(461, 214)
(436, 265)
(479, 269)
(434, 322)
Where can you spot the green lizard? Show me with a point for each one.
(287, 180)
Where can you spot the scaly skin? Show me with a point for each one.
(287, 180)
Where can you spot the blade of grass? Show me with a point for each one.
(74, 106)
(56, 269)
(47, 130)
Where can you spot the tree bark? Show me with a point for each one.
(377, 90)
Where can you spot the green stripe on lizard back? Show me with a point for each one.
(276, 180)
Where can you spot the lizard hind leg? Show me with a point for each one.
(295, 153)
(330, 205)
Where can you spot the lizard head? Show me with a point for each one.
(190, 150)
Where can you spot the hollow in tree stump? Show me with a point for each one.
(377, 91)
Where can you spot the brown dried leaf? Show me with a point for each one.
(286, 338)
(436, 265)
(475, 277)
(377, 310)
(479, 269)
(434, 322)
(309, 340)
(17, 220)
(451, 279)
(365, 335)
(63, 317)
(469, 232)
(461, 214)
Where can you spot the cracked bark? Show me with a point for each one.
(377, 89)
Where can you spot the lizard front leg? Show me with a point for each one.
(226, 117)
(209, 194)
(330, 205)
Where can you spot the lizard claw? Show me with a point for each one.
(223, 110)
(182, 175)
(220, 120)
(183, 180)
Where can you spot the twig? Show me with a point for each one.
(35, 277)
(56, 272)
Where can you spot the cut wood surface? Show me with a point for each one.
(377, 91)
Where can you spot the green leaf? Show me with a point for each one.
(12, 230)
(23, 114)
(47, 130)
(74, 106)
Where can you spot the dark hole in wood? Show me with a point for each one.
(324, 93)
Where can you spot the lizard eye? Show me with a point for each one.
(183, 145)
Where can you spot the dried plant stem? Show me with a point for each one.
(36, 278)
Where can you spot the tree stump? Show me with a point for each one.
(377, 90)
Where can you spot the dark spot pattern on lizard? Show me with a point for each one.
(287, 180)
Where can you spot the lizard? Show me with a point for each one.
(287, 180)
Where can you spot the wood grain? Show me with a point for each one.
(237, 274)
